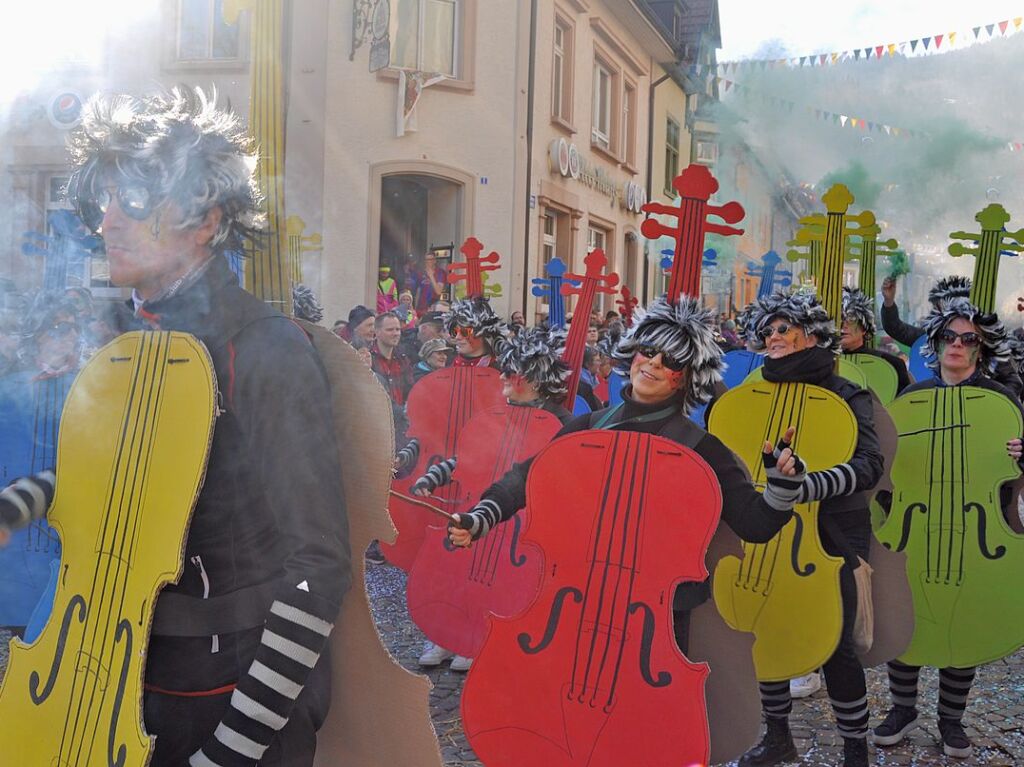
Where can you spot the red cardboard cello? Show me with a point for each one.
(439, 406)
(591, 674)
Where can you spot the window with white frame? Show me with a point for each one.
(425, 35)
(629, 124)
(707, 152)
(561, 76)
(550, 239)
(597, 238)
(601, 132)
(202, 33)
(671, 154)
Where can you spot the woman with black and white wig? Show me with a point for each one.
(965, 344)
(800, 344)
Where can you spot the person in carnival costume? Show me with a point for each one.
(673, 365)
(859, 329)
(169, 182)
(966, 344)
(477, 331)
(800, 343)
(533, 374)
(305, 305)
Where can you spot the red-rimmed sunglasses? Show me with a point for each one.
(463, 332)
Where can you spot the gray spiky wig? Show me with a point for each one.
(536, 355)
(304, 303)
(182, 148)
(685, 332)
(949, 287)
(858, 307)
(477, 313)
(995, 346)
(796, 307)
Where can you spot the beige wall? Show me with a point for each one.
(617, 32)
(468, 132)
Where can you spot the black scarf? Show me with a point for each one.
(810, 366)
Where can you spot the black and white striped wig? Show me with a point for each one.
(858, 307)
(305, 305)
(800, 308)
(683, 331)
(181, 148)
(995, 346)
(536, 355)
(476, 313)
(953, 286)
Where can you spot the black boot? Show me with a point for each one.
(855, 752)
(775, 747)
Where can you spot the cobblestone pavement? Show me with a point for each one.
(994, 722)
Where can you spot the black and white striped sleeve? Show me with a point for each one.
(830, 483)
(293, 638)
(407, 458)
(438, 475)
(26, 500)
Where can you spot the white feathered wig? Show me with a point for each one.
(476, 313)
(685, 332)
(799, 308)
(536, 355)
(179, 147)
(995, 346)
(949, 287)
(859, 308)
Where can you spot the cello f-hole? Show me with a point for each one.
(664, 678)
(517, 559)
(125, 628)
(33, 681)
(982, 532)
(795, 551)
(553, 618)
(908, 519)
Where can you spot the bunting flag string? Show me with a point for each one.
(835, 118)
(920, 46)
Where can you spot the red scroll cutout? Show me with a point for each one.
(591, 283)
(695, 186)
(472, 269)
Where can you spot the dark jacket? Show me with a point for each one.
(897, 329)
(270, 514)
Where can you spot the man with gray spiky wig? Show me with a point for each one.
(858, 331)
(533, 374)
(673, 362)
(477, 331)
(800, 344)
(965, 343)
(168, 182)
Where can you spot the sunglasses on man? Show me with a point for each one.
(650, 352)
(135, 200)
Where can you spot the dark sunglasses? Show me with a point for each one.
(135, 200)
(650, 352)
(969, 339)
(766, 333)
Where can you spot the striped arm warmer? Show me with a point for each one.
(780, 491)
(407, 458)
(481, 518)
(830, 483)
(293, 638)
(437, 475)
(26, 500)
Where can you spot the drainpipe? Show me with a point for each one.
(650, 181)
(529, 151)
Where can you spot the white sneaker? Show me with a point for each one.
(805, 686)
(433, 655)
(461, 663)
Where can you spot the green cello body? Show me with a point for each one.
(964, 563)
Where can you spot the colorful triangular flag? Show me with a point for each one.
(989, 28)
(976, 31)
(843, 119)
(938, 41)
(913, 45)
(878, 51)
(1003, 25)
(926, 42)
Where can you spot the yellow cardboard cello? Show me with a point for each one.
(131, 456)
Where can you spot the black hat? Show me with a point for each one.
(358, 315)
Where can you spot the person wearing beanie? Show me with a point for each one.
(800, 344)
(387, 290)
(673, 364)
(964, 344)
(858, 331)
(477, 332)
(433, 356)
(533, 374)
(360, 330)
